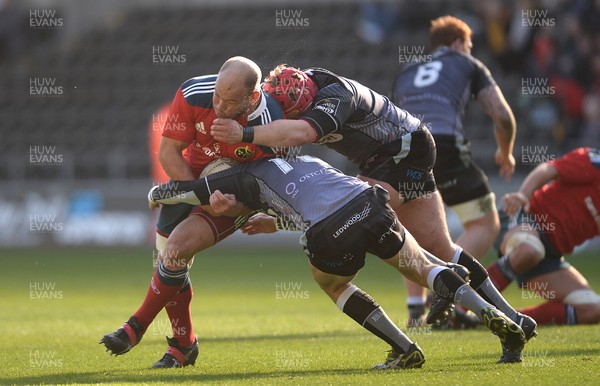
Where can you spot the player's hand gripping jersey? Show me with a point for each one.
(192, 114)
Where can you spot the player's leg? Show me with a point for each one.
(183, 347)
(190, 236)
(361, 308)
(481, 225)
(412, 261)
(571, 299)
(521, 250)
(464, 187)
(389, 240)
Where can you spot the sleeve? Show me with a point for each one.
(576, 167)
(332, 107)
(234, 181)
(180, 121)
(480, 78)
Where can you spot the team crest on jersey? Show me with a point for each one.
(244, 152)
(200, 127)
(595, 157)
(333, 137)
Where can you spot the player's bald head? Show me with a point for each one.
(242, 72)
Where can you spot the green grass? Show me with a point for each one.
(247, 335)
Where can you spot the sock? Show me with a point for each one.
(448, 285)
(178, 309)
(164, 285)
(497, 277)
(481, 282)
(551, 313)
(416, 307)
(365, 311)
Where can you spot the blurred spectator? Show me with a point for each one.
(12, 32)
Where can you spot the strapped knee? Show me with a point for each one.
(518, 238)
(582, 296)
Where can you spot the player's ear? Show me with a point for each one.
(255, 96)
(457, 44)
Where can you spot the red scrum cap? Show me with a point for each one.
(292, 88)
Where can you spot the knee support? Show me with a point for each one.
(583, 296)
(530, 239)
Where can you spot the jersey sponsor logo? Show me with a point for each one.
(328, 106)
(200, 127)
(329, 138)
(356, 218)
(291, 190)
(312, 174)
(244, 152)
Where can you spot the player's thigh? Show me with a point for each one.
(425, 219)
(332, 285)
(557, 285)
(192, 235)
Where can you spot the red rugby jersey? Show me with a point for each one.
(192, 114)
(570, 205)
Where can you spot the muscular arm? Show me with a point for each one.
(282, 132)
(540, 176)
(495, 106)
(171, 158)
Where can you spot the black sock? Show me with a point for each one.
(365, 311)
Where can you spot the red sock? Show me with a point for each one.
(180, 316)
(497, 277)
(159, 293)
(547, 313)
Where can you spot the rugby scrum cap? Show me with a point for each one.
(291, 87)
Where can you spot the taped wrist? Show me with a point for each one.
(248, 134)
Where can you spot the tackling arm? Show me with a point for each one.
(234, 181)
(282, 132)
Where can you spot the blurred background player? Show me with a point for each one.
(438, 92)
(185, 149)
(556, 208)
(343, 219)
(391, 147)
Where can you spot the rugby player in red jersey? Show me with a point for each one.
(183, 230)
(556, 208)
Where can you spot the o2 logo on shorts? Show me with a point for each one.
(244, 152)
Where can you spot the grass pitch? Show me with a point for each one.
(260, 320)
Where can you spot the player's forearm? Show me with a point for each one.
(540, 176)
(505, 129)
(284, 132)
(176, 166)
